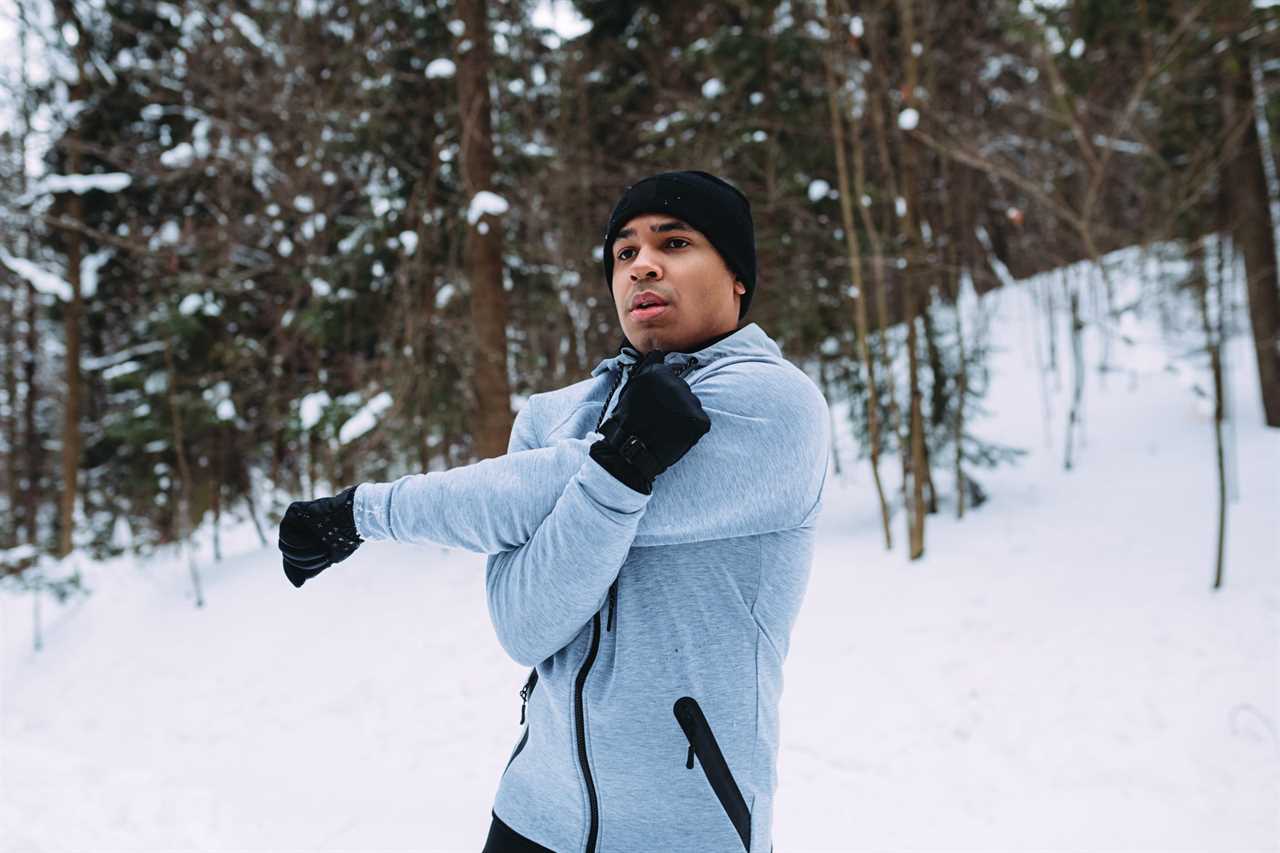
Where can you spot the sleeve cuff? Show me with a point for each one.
(370, 511)
(608, 491)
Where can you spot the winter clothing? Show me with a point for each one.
(656, 421)
(657, 624)
(711, 205)
(316, 534)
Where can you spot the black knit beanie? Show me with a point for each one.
(711, 205)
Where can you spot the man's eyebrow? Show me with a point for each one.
(674, 225)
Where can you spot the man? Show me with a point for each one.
(647, 560)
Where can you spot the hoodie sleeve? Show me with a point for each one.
(760, 469)
(498, 504)
(541, 593)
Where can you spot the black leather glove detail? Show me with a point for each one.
(657, 420)
(316, 534)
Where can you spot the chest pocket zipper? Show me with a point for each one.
(525, 693)
(702, 743)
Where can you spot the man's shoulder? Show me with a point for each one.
(763, 379)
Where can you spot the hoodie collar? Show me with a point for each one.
(749, 340)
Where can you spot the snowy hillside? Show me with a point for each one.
(1055, 675)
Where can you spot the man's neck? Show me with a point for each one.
(693, 348)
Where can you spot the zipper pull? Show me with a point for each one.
(689, 762)
(525, 691)
(613, 603)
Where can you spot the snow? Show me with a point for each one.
(168, 234)
(561, 17)
(89, 269)
(365, 419)
(441, 68)
(39, 278)
(444, 294)
(122, 356)
(855, 26)
(320, 288)
(249, 29)
(908, 119)
(311, 408)
(190, 304)
(1054, 675)
(107, 182)
(818, 190)
(486, 202)
(122, 369)
(179, 156)
(712, 88)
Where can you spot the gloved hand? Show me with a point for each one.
(316, 534)
(656, 421)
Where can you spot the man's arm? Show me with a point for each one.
(542, 593)
(761, 468)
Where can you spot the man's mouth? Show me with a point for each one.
(645, 310)
(647, 299)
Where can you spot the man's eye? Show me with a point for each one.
(678, 240)
(622, 254)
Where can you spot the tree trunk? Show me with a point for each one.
(835, 84)
(911, 283)
(33, 452)
(1213, 346)
(31, 436)
(1252, 227)
(75, 308)
(483, 252)
(1077, 370)
(13, 491)
(71, 422)
(184, 475)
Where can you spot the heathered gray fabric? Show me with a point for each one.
(711, 570)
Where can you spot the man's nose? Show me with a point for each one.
(644, 267)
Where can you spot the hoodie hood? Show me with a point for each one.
(749, 341)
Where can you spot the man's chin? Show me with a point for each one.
(645, 340)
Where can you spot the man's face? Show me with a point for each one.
(680, 267)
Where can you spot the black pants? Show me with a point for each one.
(504, 839)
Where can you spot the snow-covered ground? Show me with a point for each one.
(1055, 675)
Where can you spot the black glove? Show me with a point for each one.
(316, 534)
(656, 421)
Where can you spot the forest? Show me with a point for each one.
(257, 250)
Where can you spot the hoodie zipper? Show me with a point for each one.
(580, 723)
(593, 833)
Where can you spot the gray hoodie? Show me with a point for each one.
(657, 625)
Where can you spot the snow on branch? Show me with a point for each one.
(107, 182)
(41, 279)
(486, 202)
(365, 419)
